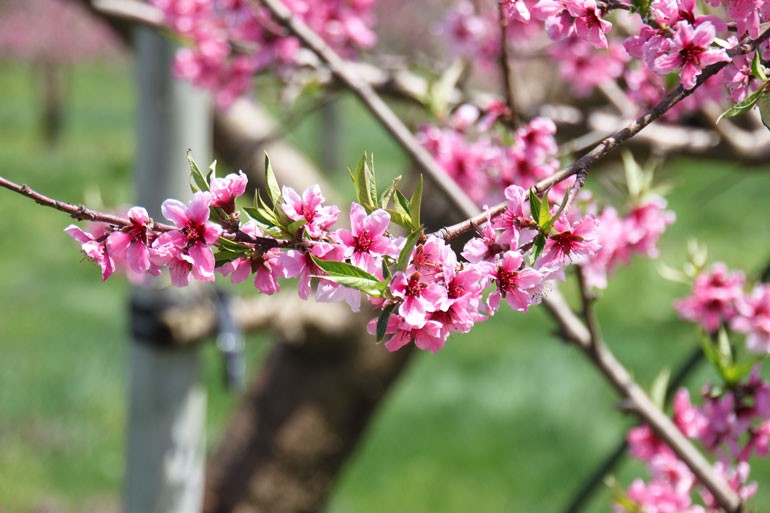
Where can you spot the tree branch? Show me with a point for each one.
(392, 123)
(593, 347)
(79, 212)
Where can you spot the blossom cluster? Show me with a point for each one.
(732, 423)
(655, 39)
(719, 299)
(481, 162)
(429, 295)
(231, 40)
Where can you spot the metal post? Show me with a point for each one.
(167, 405)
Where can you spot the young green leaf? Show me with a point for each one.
(746, 105)
(385, 198)
(659, 388)
(363, 178)
(402, 208)
(415, 203)
(351, 276)
(382, 322)
(534, 206)
(235, 247)
(262, 215)
(273, 189)
(212, 172)
(538, 245)
(371, 181)
(225, 257)
(757, 69)
(295, 226)
(764, 109)
(406, 251)
(199, 181)
(549, 225)
(343, 269)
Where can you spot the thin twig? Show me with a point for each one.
(505, 65)
(575, 330)
(79, 212)
(586, 162)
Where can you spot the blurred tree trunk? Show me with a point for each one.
(52, 83)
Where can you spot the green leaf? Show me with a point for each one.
(212, 171)
(343, 269)
(534, 206)
(659, 388)
(549, 225)
(295, 226)
(538, 246)
(634, 175)
(364, 184)
(724, 350)
(382, 322)
(368, 287)
(402, 208)
(640, 6)
(744, 106)
(415, 203)
(441, 90)
(351, 276)
(406, 251)
(400, 219)
(764, 109)
(273, 189)
(261, 215)
(199, 181)
(738, 371)
(371, 181)
(757, 69)
(233, 246)
(385, 198)
(224, 257)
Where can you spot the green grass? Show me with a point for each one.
(505, 419)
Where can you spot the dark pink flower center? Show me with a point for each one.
(362, 242)
(506, 280)
(566, 241)
(414, 286)
(194, 234)
(691, 54)
(455, 290)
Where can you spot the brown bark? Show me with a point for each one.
(299, 422)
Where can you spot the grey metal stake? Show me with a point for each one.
(167, 404)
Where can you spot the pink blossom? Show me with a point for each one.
(515, 10)
(308, 207)
(644, 445)
(431, 336)
(226, 190)
(366, 243)
(691, 50)
(265, 265)
(572, 243)
(753, 318)
(131, 242)
(429, 258)
(580, 17)
(94, 249)
(515, 283)
(299, 264)
(188, 249)
(714, 296)
(739, 79)
(418, 297)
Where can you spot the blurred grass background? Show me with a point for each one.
(505, 419)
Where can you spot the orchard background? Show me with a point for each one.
(488, 424)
